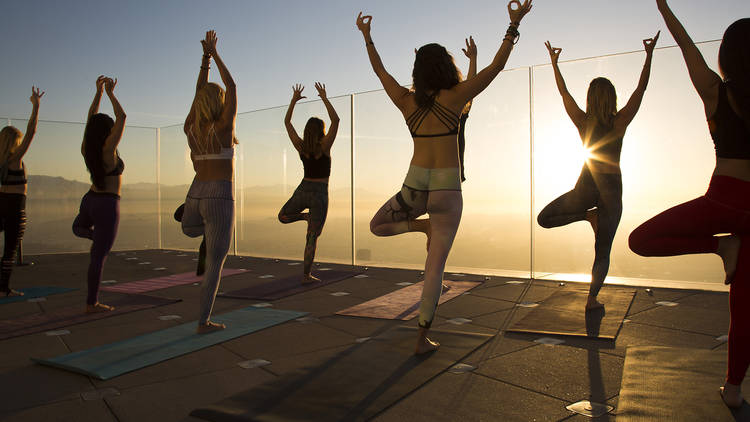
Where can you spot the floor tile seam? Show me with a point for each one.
(479, 363)
(392, 323)
(70, 397)
(713, 335)
(147, 384)
(521, 387)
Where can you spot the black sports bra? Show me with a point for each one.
(605, 145)
(119, 167)
(731, 136)
(316, 168)
(13, 177)
(448, 118)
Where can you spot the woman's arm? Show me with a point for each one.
(293, 136)
(229, 113)
(110, 144)
(202, 81)
(36, 95)
(396, 92)
(627, 113)
(471, 52)
(472, 87)
(575, 113)
(704, 79)
(97, 97)
(331, 135)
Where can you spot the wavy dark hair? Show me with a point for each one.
(434, 69)
(734, 64)
(97, 130)
(311, 138)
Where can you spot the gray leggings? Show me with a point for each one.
(209, 212)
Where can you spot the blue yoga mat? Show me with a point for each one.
(34, 292)
(110, 360)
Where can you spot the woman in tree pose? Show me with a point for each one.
(99, 214)
(597, 195)
(432, 186)
(13, 146)
(692, 227)
(314, 150)
(209, 206)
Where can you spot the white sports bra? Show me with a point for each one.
(213, 140)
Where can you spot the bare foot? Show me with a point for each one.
(592, 216)
(446, 287)
(425, 345)
(11, 293)
(98, 307)
(731, 394)
(729, 250)
(592, 304)
(307, 279)
(209, 327)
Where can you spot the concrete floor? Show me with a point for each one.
(515, 378)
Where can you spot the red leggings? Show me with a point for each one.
(690, 228)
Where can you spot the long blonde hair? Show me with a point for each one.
(601, 102)
(10, 140)
(312, 137)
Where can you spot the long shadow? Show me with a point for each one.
(596, 380)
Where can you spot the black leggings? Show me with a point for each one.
(602, 191)
(13, 222)
(313, 196)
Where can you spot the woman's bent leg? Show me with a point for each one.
(318, 205)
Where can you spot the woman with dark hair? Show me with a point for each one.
(314, 150)
(99, 213)
(432, 111)
(692, 227)
(13, 147)
(597, 195)
(209, 206)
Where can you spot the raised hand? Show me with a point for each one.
(109, 84)
(471, 49)
(517, 14)
(36, 94)
(554, 52)
(297, 95)
(363, 23)
(100, 83)
(321, 90)
(209, 43)
(650, 43)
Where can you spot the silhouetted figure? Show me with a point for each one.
(725, 208)
(314, 150)
(209, 206)
(13, 146)
(432, 110)
(99, 214)
(597, 195)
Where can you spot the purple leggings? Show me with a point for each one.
(97, 220)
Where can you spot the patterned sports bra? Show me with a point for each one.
(448, 118)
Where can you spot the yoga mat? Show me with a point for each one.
(355, 384)
(34, 292)
(72, 315)
(110, 360)
(403, 304)
(287, 286)
(675, 384)
(563, 314)
(158, 283)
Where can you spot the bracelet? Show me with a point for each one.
(512, 34)
(205, 67)
(370, 43)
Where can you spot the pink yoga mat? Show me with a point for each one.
(164, 282)
(403, 304)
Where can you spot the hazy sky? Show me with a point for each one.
(153, 47)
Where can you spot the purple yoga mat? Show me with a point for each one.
(158, 283)
(72, 315)
(287, 286)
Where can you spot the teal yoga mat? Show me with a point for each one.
(110, 360)
(34, 292)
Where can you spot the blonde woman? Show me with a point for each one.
(209, 206)
(314, 150)
(597, 195)
(13, 146)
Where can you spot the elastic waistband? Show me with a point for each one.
(12, 195)
(103, 194)
(214, 189)
(729, 191)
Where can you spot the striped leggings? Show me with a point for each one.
(13, 222)
(209, 212)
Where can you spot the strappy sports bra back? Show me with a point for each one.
(447, 117)
(213, 141)
(13, 177)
